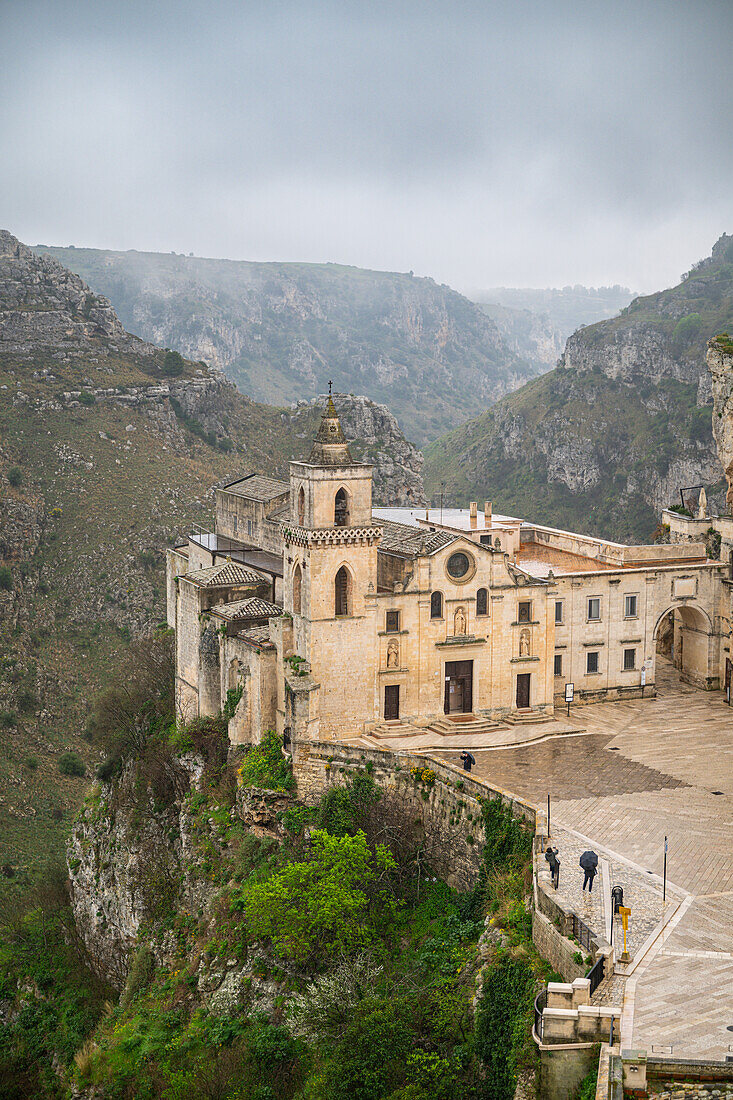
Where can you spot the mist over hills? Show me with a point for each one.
(606, 439)
(280, 331)
(536, 323)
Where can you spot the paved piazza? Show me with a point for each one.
(643, 769)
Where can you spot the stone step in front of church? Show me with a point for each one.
(464, 723)
(519, 717)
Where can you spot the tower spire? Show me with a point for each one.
(330, 447)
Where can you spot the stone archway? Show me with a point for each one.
(684, 634)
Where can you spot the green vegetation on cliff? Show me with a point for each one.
(360, 974)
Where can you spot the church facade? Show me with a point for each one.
(335, 618)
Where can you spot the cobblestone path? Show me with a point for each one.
(646, 769)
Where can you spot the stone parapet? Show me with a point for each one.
(443, 802)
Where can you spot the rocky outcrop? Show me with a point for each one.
(46, 308)
(607, 439)
(720, 365)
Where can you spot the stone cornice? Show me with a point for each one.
(367, 535)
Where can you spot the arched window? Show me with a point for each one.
(482, 602)
(436, 605)
(301, 507)
(341, 509)
(342, 586)
(297, 587)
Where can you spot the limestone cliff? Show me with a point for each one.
(144, 850)
(720, 365)
(280, 328)
(609, 437)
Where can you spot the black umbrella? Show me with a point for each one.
(589, 861)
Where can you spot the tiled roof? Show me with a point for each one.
(256, 487)
(228, 573)
(401, 538)
(251, 608)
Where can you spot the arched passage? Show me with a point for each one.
(684, 635)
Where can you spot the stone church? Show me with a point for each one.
(335, 618)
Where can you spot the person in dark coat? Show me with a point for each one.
(551, 857)
(468, 760)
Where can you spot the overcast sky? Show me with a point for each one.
(513, 143)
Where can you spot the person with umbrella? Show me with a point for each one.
(468, 760)
(589, 863)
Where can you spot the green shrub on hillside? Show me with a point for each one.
(6, 578)
(70, 763)
(15, 476)
(324, 906)
(265, 766)
(173, 364)
(508, 841)
(342, 810)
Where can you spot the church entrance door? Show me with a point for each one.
(523, 680)
(391, 702)
(458, 687)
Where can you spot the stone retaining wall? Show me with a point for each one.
(439, 800)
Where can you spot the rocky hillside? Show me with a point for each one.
(720, 364)
(277, 329)
(610, 436)
(109, 452)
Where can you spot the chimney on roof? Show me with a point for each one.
(474, 512)
(487, 513)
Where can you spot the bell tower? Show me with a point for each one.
(330, 566)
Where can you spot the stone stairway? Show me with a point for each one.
(462, 724)
(396, 728)
(520, 717)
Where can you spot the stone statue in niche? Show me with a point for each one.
(459, 622)
(393, 654)
(525, 640)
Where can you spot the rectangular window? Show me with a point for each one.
(525, 611)
(485, 540)
(594, 609)
(591, 661)
(559, 607)
(629, 659)
(558, 664)
(249, 527)
(630, 605)
(393, 622)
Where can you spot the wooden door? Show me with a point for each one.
(523, 690)
(458, 687)
(391, 702)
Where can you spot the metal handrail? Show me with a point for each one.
(540, 1004)
(596, 974)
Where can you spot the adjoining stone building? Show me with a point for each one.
(335, 617)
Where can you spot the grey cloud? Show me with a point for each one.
(524, 143)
